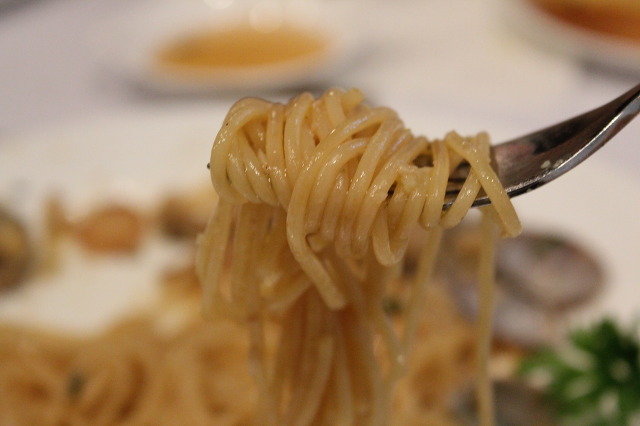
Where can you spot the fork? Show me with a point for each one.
(528, 162)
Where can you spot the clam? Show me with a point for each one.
(540, 278)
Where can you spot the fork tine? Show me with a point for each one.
(530, 161)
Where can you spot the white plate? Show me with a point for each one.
(139, 156)
(544, 29)
(127, 44)
(133, 158)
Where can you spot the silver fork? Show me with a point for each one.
(528, 162)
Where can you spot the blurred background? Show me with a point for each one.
(498, 60)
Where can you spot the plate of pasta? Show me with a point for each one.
(603, 33)
(101, 316)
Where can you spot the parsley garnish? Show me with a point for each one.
(596, 379)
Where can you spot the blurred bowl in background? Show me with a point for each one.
(613, 18)
(594, 36)
(216, 45)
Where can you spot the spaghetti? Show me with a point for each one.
(151, 370)
(318, 200)
(133, 374)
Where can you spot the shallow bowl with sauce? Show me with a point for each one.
(242, 56)
(192, 48)
(609, 39)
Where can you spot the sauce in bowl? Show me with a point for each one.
(240, 47)
(619, 19)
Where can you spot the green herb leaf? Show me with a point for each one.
(595, 380)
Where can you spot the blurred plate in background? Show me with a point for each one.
(134, 159)
(196, 47)
(571, 38)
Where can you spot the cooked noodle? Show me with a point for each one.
(142, 372)
(318, 200)
(131, 375)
